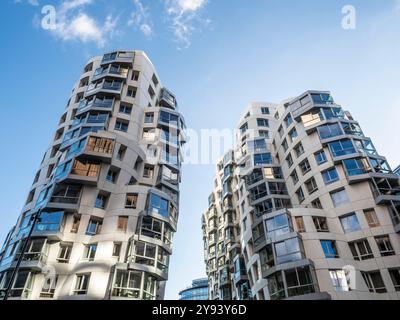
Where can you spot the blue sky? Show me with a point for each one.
(216, 55)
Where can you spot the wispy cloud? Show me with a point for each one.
(140, 18)
(31, 2)
(184, 14)
(74, 24)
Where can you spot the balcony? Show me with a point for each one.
(65, 196)
(118, 57)
(385, 190)
(169, 177)
(95, 104)
(114, 71)
(111, 87)
(51, 225)
(168, 100)
(98, 148)
(78, 171)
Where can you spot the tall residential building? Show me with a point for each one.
(107, 190)
(197, 291)
(303, 208)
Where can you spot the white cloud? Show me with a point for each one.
(191, 5)
(73, 24)
(184, 15)
(140, 18)
(31, 2)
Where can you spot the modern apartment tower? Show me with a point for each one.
(303, 208)
(197, 291)
(106, 192)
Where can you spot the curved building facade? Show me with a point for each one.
(107, 191)
(312, 208)
(197, 291)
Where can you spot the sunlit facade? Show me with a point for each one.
(197, 291)
(304, 207)
(107, 190)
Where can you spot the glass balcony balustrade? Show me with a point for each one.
(96, 103)
(111, 70)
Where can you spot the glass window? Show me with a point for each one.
(395, 276)
(289, 160)
(355, 166)
(131, 201)
(81, 284)
(342, 148)
(350, 223)
(299, 149)
(94, 226)
(374, 281)
(127, 284)
(50, 221)
(288, 251)
(321, 224)
(262, 123)
(264, 110)
(90, 252)
(311, 186)
(330, 176)
(299, 281)
(293, 134)
(339, 280)
(122, 223)
(49, 287)
(64, 253)
(329, 248)
(385, 246)
(305, 166)
(300, 224)
(320, 157)
(330, 131)
(101, 201)
(117, 249)
(300, 195)
(361, 250)
(372, 218)
(278, 225)
(339, 197)
(262, 159)
(322, 98)
(75, 224)
(159, 205)
(121, 125)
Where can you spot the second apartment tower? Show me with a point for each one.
(304, 207)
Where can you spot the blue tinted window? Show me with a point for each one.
(261, 159)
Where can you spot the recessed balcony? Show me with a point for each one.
(168, 100)
(95, 104)
(78, 171)
(106, 86)
(115, 71)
